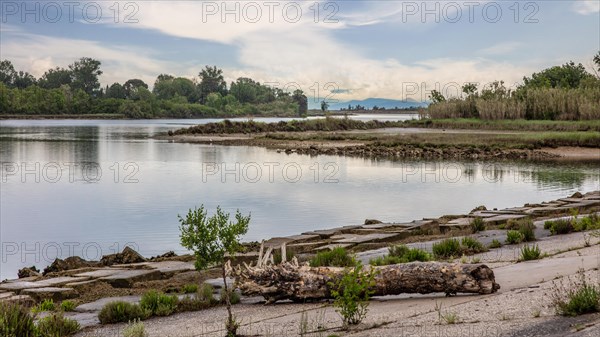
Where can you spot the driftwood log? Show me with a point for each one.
(301, 283)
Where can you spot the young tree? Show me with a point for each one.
(300, 98)
(85, 74)
(324, 106)
(211, 80)
(436, 97)
(211, 238)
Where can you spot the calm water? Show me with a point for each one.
(88, 188)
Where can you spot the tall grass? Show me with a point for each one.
(544, 103)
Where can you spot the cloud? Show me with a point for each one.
(586, 7)
(501, 48)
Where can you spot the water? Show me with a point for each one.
(88, 188)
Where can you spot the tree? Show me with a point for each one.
(7, 73)
(85, 74)
(300, 98)
(132, 85)
(469, 89)
(211, 239)
(324, 106)
(55, 78)
(23, 80)
(211, 80)
(566, 76)
(116, 91)
(436, 97)
(597, 64)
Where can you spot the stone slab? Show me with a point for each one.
(498, 219)
(24, 300)
(99, 304)
(126, 278)
(17, 286)
(335, 245)
(54, 293)
(6, 294)
(460, 222)
(299, 248)
(81, 284)
(100, 273)
(57, 281)
(370, 238)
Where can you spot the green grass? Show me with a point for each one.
(477, 225)
(495, 244)
(158, 303)
(514, 237)
(56, 325)
(190, 288)
(529, 253)
(120, 311)
(401, 254)
(135, 329)
(67, 306)
(472, 246)
(45, 305)
(337, 257)
(446, 249)
(507, 124)
(576, 298)
(15, 320)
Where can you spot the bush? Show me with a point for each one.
(45, 305)
(56, 325)
(67, 306)
(206, 293)
(158, 303)
(398, 250)
(351, 294)
(477, 225)
(135, 329)
(530, 253)
(590, 222)
(513, 237)
(401, 254)
(472, 246)
(561, 226)
(527, 229)
(15, 321)
(337, 257)
(495, 244)
(120, 311)
(190, 288)
(447, 248)
(416, 254)
(577, 298)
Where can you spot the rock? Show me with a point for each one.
(29, 272)
(167, 255)
(372, 221)
(479, 208)
(73, 262)
(577, 195)
(127, 256)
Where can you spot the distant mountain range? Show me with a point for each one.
(369, 103)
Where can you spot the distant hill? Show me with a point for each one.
(369, 103)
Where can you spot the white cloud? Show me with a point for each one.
(586, 7)
(501, 48)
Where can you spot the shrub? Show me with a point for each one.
(15, 321)
(206, 293)
(401, 254)
(351, 294)
(590, 222)
(158, 303)
(398, 250)
(477, 225)
(513, 237)
(576, 298)
(190, 288)
(561, 226)
(416, 254)
(234, 297)
(446, 248)
(67, 305)
(527, 229)
(135, 329)
(472, 245)
(337, 257)
(120, 311)
(548, 224)
(56, 325)
(495, 244)
(530, 253)
(45, 305)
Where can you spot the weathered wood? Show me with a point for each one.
(301, 283)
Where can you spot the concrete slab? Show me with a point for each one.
(335, 245)
(18, 286)
(460, 222)
(82, 284)
(6, 294)
(299, 248)
(126, 278)
(499, 219)
(99, 304)
(54, 293)
(101, 273)
(57, 281)
(370, 238)
(24, 300)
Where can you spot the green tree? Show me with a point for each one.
(85, 74)
(436, 97)
(300, 98)
(212, 239)
(55, 78)
(566, 76)
(132, 85)
(186, 88)
(470, 89)
(211, 80)
(23, 80)
(597, 64)
(116, 90)
(325, 106)
(7, 73)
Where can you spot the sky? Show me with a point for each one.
(338, 50)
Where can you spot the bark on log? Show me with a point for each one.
(301, 283)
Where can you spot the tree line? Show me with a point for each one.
(76, 89)
(565, 92)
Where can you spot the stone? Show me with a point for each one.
(371, 221)
(28, 272)
(127, 256)
(6, 294)
(54, 293)
(299, 248)
(18, 286)
(81, 285)
(99, 304)
(24, 300)
(502, 218)
(335, 245)
(577, 195)
(100, 273)
(126, 278)
(73, 262)
(370, 238)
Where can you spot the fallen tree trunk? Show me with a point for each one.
(301, 283)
